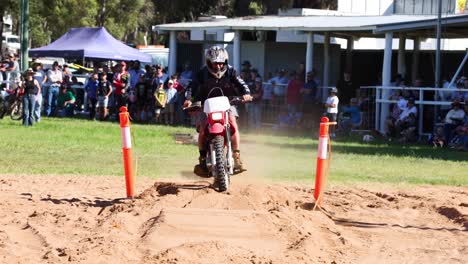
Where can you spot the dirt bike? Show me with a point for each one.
(11, 103)
(219, 157)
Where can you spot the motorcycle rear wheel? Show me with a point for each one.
(222, 175)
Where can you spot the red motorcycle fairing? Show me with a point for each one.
(216, 128)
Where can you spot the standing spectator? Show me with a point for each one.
(121, 83)
(66, 72)
(255, 107)
(55, 78)
(91, 89)
(293, 97)
(159, 76)
(171, 100)
(104, 90)
(347, 88)
(453, 119)
(308, 96)
(160, 96)
(32, 90)
(12, 71)
(332, 109)
(135, 73)
(187, 75)
(65, 102)
(246, 66)
(141, 92)
(179, 113)
(279, 87)
(41, 78)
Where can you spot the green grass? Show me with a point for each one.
(81, 147)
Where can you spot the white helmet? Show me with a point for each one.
(216, 54)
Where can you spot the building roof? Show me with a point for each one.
(346, 25)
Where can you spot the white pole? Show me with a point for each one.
(420, 111)
(415, 62)
(349, 54)
(326, 65)
(386, 79)
(172, 53)
(401, 55)
(310, 52)
(237, 49)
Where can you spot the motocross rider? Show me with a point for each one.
(217, 73)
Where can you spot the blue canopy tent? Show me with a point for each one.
(93, 43)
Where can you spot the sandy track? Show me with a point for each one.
(79, 219)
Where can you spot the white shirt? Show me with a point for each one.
(333, 100)
(456, 114)
(54, 76)
(407, 111)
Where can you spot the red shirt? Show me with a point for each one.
(119, 81)
(293, 95)
(178, 87)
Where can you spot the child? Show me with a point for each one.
(160, 96)
(141, 93)
(438, 139)
(171, 100)
(332, 109)
(104, 90)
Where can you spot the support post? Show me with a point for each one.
(349, 54)
(386, 79)
(309, 53)
(172, 52)
(415, 62)
(401, 55)
(237, 49)
(326, 65)
(24, 34)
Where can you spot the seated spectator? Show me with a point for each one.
(65, 103)
(406, 120)
(453, 119)
(350, 116)
(438, 138)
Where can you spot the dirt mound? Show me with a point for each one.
(79, 219)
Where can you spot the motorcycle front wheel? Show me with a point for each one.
(222, 175)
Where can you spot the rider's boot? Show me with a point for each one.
(201, 169)
(237, 161)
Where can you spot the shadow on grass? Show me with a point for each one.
(414, 151)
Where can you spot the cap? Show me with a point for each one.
(170, 81)
(29, 70)
(11, 55)
(334, 90)
(258, 79)
(161, 81)
(246, 62)
(254, 70)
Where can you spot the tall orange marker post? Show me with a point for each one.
(322, 158)
(127, 151)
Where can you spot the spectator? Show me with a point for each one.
(279, 87)
(179, 113)
(159, 76)
(347, 88)
(246, 66)
(135, 73)
(350, 116)
(65, 103)
(293, 97)
(406, 119)
(141, 92)
(55, 78)
(13, 71)
(104, 90)
(160, 96)
(121, 83)
(187, 75)
(41, 78)
(171, 100)
(461, 95)
(453, 119)
(66, 72)
(91, 89)
(308, 95)
(332, 109)
(255, 107)
(32, 90)
(438, 139)
(77, 88)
